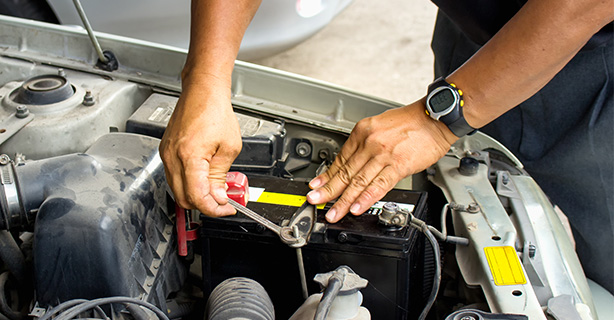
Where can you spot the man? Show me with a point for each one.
(497, 68)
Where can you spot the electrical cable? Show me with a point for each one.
(437, 277)
(444, 215)
(69, 314)
(67, 305)
(78, 306)
(426, 229)
(332, 290)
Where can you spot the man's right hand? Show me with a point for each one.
(200, 143)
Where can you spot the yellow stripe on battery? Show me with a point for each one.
(505, 266)
(284, 199)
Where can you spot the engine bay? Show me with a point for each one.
(87, 217)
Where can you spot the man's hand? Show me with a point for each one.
(380, 151)
(200, 143)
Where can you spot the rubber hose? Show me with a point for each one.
(12, 256)
(180, 310)
(4, 305)
(239, 298)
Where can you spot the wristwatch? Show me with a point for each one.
(444, 103)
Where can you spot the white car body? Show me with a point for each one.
(277, 26)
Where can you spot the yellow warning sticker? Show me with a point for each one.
(505, 266)
(283, 199)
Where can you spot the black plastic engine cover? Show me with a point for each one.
(263, 140)
(103, 227)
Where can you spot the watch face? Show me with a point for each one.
(442, 100)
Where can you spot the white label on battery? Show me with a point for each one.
(161, 115)
(255, 193)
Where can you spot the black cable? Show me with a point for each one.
(74, 311)
(425, 228)
(332, 290)
(437, 277)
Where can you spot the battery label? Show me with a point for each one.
(282, 199)
(505, 266)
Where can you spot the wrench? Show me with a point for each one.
(286, 234)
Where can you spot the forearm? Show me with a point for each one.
(217, 28)
(526, 54)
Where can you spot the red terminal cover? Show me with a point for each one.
(238, 187)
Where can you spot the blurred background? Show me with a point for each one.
(379, 48)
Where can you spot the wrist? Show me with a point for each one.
(437, 126)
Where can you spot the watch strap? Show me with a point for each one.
(459, 127)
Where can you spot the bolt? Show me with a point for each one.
(4, 159)
(505, 179)
(532, 249)
(468, 166)
(323, 154)
(61, 72)
(342, 237)
(22, 112)
(88, 99)
(397, 220)
(303, 149)
(473, 208)
(149, 285)
(468, 318)
(260, 228)
(431, 171)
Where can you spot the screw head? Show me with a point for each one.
(4, 159)
(473, 208)
(303, 149)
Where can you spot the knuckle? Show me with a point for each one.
(371, 194)
(233, 146)
(344, 202)
(184, 153)
(184, 204)
(380, 185)
(360, 181)
(344, 175)
(328, 190)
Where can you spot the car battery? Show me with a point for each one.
(390, 259)
(263, 140)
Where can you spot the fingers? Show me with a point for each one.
(208, 198)
(368, 186)
(331, 183)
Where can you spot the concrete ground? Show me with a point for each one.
(381, 48)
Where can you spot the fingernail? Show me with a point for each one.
(315, 183)
(330, 215)
(355, 208)
(313, 196)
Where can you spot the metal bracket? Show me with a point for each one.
(12, 124)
